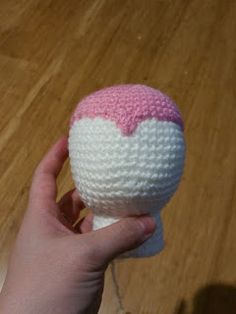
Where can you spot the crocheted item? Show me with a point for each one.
(128, 105)
(127, 151)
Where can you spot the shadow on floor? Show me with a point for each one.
(212, 299)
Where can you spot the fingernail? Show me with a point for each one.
(148, 224)
(147, 236)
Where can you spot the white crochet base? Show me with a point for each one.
(120, 176)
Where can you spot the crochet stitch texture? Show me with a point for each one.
(127, 151)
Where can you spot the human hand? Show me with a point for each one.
(55, 268)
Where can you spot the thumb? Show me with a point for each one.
(128, 233)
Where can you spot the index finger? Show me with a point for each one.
(44, 189)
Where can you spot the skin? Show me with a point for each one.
(55, 267)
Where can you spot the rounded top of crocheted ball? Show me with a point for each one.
(128, 105)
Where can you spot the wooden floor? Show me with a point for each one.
(54, 52)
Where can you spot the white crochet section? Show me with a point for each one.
(119, 175)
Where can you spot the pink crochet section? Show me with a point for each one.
(128, 105)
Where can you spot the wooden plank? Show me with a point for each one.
(54, 52)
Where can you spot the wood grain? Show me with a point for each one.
(54, 52)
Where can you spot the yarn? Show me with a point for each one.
(127, 151)
(128, 105)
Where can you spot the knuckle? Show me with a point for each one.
(129, 233)
(132, 228)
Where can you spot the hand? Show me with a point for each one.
(55, 268)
